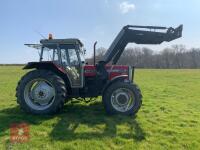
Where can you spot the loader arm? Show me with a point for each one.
(139, 35)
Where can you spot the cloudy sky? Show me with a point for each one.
(89, 20)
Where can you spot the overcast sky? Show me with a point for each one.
(89, 20)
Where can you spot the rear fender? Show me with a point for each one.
(43, 65)
(52, 67)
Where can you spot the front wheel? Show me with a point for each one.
(41, 92)
(122, 98)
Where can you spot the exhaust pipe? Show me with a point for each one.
(95, 53)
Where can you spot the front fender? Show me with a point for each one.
(122, 78)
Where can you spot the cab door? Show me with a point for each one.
(72, 65)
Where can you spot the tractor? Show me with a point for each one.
(61, 74)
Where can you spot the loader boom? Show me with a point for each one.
(139, 35)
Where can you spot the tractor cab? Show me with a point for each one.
(66, 54)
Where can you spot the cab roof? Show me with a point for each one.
(61, 41)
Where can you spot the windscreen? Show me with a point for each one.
(49, 53)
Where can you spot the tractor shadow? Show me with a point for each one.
(91, 122)
(77, 121)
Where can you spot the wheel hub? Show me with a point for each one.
(39, 94)
(42, 93)
(122, 99)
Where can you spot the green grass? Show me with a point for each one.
(169, 117)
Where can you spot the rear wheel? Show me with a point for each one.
(41, 92)
(122, 98)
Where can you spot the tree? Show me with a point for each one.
(176, 56)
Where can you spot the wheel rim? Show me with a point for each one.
(39, 94)
(122, 99)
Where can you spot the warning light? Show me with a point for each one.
(50, 36)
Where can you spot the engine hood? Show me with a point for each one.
(113, 70)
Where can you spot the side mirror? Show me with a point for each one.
(84, 51)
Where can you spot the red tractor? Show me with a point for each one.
(62, 74)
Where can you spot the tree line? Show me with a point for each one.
(174, 57)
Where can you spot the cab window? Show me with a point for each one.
(73, 58)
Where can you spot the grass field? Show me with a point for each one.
(169, 117)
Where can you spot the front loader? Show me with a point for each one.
(62, 74)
